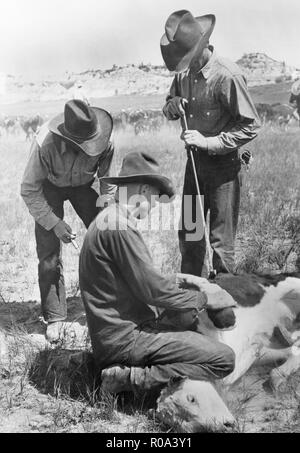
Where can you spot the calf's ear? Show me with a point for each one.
(176, 381)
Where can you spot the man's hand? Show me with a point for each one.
(176, 106)
(183, 319)
(194, 138)
(64, 232)
(217, 298)
(104, 200)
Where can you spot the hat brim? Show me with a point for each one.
(163, 183)
(96, 144)
(174, 58)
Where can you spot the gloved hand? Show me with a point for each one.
(222, 319)
(181, 320)
(217, 298)
(220, 303)
(175, 106)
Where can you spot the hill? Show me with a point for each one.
(126, 80)
(261, 69)
(262, 94)
(142, 80)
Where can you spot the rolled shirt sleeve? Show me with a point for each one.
(32, 190)
(235, 98)
(131, 255)
(104, 166)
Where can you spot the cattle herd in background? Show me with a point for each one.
(13, 125)
(280, 115)
(142, 120)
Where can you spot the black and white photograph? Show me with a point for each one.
(150, 219)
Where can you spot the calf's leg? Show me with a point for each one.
(269, 356)
(279, 375)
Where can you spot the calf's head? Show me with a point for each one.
(193, 406)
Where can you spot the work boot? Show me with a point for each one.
(116, 379)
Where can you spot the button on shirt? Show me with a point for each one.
(119, 283)
(219, 104)
(53, 159)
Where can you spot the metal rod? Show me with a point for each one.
(76, 246)
(185, 122)
(206, 235)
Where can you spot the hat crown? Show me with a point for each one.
(181, 27)
(139, 163)
(185, 37)
(80, 120)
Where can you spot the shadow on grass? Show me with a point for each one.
(65, 374)
(27, 315)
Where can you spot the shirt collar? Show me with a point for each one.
(63, 146)
(206, 70)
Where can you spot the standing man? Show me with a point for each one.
(67, 154)
(221, 118)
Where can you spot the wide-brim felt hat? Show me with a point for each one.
(86, 128)
(141, 168)
(184, 37)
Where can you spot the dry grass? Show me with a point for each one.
(269, 229)
(35, 395)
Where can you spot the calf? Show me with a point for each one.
(264, 304)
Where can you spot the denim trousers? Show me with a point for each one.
(50, 268)
(220, 189)
(158, 354)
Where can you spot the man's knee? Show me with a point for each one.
(227, 360)
(50, 265)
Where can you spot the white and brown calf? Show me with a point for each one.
(264, 302)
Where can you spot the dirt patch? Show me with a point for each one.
(41, 392)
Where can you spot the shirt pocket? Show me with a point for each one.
(55, 167)
(89, 168)
(209, 116)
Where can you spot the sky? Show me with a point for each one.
(41, 37)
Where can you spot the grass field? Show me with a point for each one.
(268, 238)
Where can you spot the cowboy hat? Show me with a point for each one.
(87, 128)
(139, 167)
(185, 36)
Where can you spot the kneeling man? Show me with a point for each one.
(121, 288)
